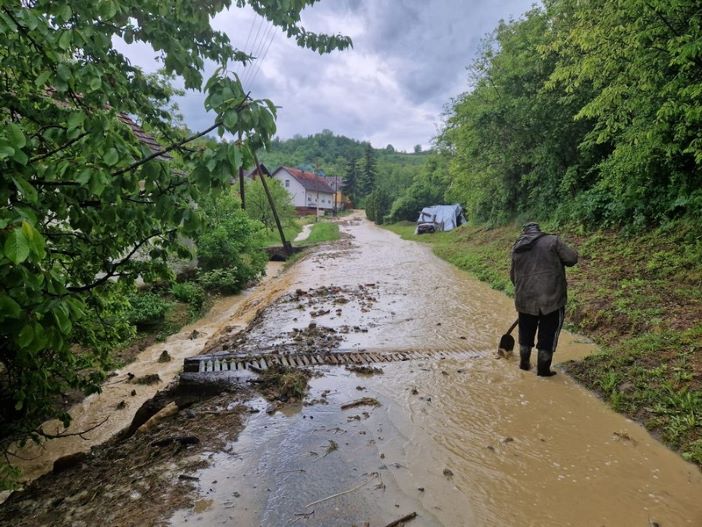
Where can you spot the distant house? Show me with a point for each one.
(337, 183)
(308, 191)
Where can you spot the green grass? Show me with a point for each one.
(272, 237)
(639, 297)
(322, 232)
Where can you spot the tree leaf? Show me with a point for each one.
(64, 41)
(42, 78)
(111, 157)
(15, 137)
(27, 190)
(16, 246)
(75, 120)
(26, 336)
(8, 307)
(6, 151)
(34, 238)
(62, 321)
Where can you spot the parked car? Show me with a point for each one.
(426, 227)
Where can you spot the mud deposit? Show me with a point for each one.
(467, 440)
(134, 481)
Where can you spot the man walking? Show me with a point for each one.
(540, 293)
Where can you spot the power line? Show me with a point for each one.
(260, 62)
(253, 46)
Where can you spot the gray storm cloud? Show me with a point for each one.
(408, 61)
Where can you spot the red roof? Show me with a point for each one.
(309, 180)
(146, 139)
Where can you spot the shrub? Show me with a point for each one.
(190, 293)
(225, 281)
(147, 309)
(231, 242)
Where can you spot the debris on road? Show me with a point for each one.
(401, 521)
(364, 401)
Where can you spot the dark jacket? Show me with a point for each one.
(538, 272)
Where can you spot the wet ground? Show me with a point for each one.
(465, 440)
(468, 440)
(109, 412)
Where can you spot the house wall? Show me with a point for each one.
(294, 188)
(300, 196)
(326, 201)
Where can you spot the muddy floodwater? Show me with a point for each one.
(462, 440)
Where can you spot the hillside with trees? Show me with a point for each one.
(585, 113)
(380, 172)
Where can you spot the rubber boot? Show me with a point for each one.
(543, 366)
(524, 356)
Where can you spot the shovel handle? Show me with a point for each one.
(514, 325)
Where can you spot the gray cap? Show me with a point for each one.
(531, 226)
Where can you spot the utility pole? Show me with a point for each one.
(286, 244)
(336, 191)
(241, 183)
(241, 187)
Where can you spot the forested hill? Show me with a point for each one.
(331, 153)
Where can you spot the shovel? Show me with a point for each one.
(506, 346)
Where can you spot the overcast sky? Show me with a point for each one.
(408, 60)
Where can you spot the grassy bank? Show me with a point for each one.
(322, 232)
(640, 299)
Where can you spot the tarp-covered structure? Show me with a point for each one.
(444, 217)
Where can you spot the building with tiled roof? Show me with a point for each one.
(307, 190)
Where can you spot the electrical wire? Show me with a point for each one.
(263, 57)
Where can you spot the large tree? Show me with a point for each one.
(369, 172)
(81, 193)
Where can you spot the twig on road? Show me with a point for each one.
(364, 401)
(402, 520)
(341, 493)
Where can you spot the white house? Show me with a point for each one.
(307, 190)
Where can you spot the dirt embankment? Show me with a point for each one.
(639, 297)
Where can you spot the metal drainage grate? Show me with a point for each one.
(232, 362)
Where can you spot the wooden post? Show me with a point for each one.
(336, 184)
(286, 245)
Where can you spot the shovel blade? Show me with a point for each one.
(506, 345)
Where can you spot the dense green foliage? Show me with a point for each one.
(85, 202)
(189, 293)
(229, 248)
(147, 309)
(258, 208)
(583, 112)
(427, 188)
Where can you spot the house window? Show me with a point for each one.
(287, 183)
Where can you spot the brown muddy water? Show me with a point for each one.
(115, 406)
(468, 440)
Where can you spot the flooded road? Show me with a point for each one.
(466, 440)
(116, 405)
